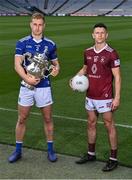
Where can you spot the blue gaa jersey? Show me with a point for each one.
(29, 45)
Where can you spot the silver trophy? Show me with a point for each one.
(37, 67)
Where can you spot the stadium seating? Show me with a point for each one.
(67, 7)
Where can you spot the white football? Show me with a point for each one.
(80, 83)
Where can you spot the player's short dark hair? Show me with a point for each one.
(100, 25)
(38, 15)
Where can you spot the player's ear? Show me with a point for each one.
(30, 24)
(107, 35)
(44, 25)
(93, 36)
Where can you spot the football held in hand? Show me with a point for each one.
(80, 83)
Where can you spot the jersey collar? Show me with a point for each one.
(100, 49)
(37, 41)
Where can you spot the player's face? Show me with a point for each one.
(37, 27)
(100, 35)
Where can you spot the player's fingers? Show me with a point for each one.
(114, 107)
(70, 83)
(54, 72)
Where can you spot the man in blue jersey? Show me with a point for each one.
(41, 93)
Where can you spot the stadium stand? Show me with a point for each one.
(100, 7)
(73, 6)
(55, 5)
(116, 7)
(125, 9)
(13, 7)
(67, 7)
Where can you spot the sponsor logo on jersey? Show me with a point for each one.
(89, 57)
(96, 58)
(94, 69)
(28, 46)
(94, 76)
(102, 59)
(106, 95)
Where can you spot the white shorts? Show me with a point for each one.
(100, 106)
(41, 96)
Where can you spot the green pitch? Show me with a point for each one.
(72, 35)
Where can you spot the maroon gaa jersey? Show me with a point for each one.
(99, 71)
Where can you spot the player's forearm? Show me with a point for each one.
(18, 67)
(82, 71)
(55, 68)
(20, 71)
(117, 87)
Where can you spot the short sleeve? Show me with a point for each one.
(115, 60)
(53, 53)
(19, 48)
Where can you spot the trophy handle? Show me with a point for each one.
(50, 70)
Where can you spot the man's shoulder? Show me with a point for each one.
(109, 48)
(26, 38)
(89, 49)
(48, 41)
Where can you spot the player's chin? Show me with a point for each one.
(37, 33)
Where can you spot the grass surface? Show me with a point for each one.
(72, 35)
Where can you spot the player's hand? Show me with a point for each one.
(32, 80)
(54, 71)
(70, 84)
(115, 104)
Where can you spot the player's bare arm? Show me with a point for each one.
(117, 81)
(83, 71)
(21, 72)
(55, 68)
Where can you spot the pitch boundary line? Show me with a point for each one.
(66, 117)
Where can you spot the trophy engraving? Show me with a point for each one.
(37, 67)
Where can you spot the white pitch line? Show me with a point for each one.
(66, 117)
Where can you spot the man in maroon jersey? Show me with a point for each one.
(101, 65)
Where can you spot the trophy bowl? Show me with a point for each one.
(37, 68)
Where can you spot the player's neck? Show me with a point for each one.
(39, 37)
(100, 46)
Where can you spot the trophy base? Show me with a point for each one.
(27, 85)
